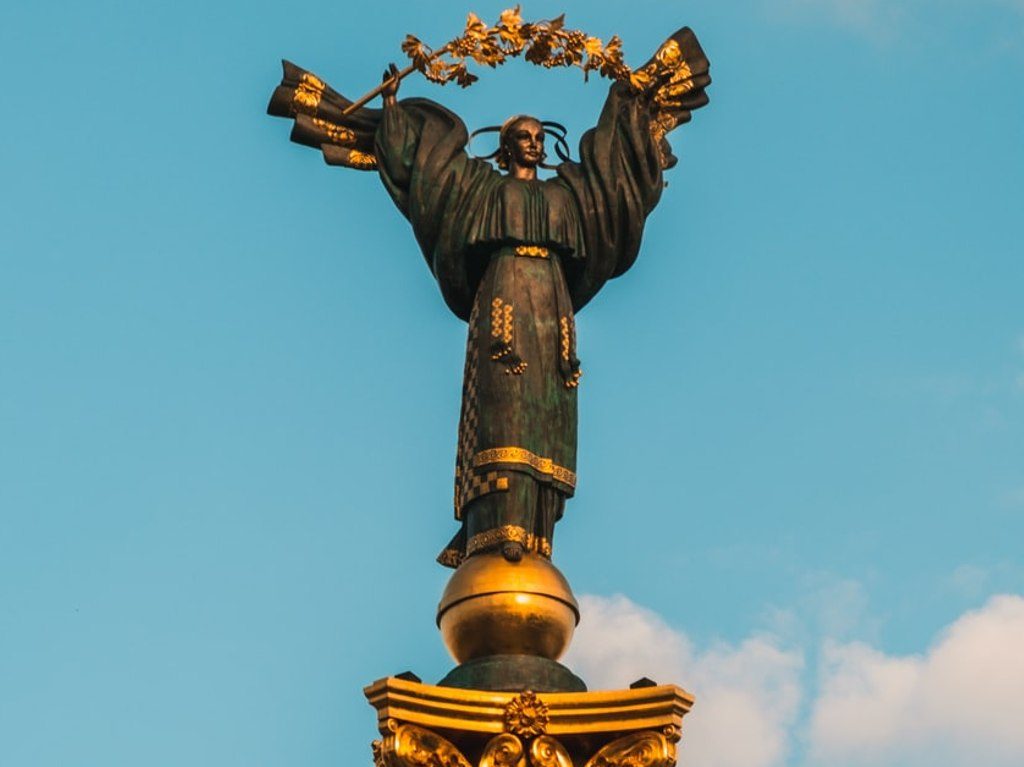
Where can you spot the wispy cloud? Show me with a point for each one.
(955, 704)
(968, 580)
(749, 693)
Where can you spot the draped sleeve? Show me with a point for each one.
(616, 184)
(618, 179)
(422, 159)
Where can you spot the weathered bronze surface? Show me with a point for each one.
(515, 256)
(513, 673)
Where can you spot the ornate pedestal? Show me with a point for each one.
(429, 726)
(510, 703)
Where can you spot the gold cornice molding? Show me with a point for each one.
(660, 708)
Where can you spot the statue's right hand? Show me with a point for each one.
(389, 87)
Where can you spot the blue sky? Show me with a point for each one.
(229, 387)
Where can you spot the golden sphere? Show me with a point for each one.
(495, 607)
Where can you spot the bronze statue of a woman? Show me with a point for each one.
(516, 257)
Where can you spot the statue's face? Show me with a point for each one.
(525, 142)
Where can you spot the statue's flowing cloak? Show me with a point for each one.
(515, 259)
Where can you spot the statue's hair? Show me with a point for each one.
(502, 155)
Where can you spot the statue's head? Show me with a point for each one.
(521, 143)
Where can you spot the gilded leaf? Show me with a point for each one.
(475, 28)
(544, 43)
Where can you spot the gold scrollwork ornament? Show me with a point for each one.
(505, 750)
(410, 746)
(640, 749)
(545, 751)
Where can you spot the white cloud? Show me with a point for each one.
(958, 704)
(748, 695)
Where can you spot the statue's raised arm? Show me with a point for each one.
(618, 180)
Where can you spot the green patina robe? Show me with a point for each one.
(515, 259)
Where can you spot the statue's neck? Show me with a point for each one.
(524, 174)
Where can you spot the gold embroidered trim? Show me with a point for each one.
(533, 251)
(672, 77)
(491, 538)
(337, 134)
(502, 323)
(524, 456)
(363, 160)
(308, 93)
(568, 328)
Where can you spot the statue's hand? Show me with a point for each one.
(389, 88)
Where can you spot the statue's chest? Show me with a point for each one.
(535, 203)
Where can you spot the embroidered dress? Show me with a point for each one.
(516, 258)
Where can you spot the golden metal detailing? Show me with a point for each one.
(307, 94)
(504, 750)
(671, 76)
(526, 715)
(495, 607)
(491, 538)
(410, 745)
(640, 749)
(544, 43)
(523, 456)
(502, 324)
(348, 157)
(545, 751)
(533, 251)
(594, 716)
(361, 160)
(567, 326)
(406, 745)
(337, 134)
(377, 747)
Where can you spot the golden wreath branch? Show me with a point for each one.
(544, 43)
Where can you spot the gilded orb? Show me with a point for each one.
(495, 607)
